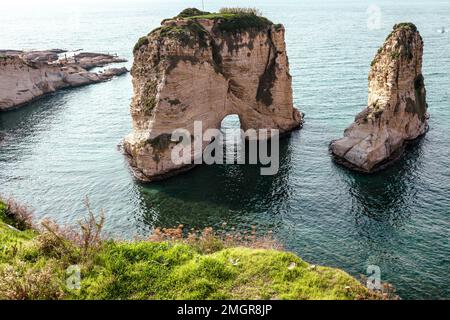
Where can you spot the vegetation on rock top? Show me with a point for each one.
(170, 265)
(231, 19)
(405, 48)
(190, 34)
(141, 42)
(191, 12)
(405, 25)
(402, 26)
(237, 19)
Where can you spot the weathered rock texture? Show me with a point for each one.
(397, 108)
(25, 76)
(204, 68)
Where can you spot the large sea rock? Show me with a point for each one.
(203, 67)
(397, 109)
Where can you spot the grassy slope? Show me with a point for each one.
(11, 237)
(162, 270)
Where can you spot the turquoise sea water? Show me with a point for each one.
(63, 147)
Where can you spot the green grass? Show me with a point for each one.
(188, 35)
(11, 239)
(235, 22)
(177, 271)
(402, 26)
(192, 33)
(36, 269)
(191, 12)
(141, 42)
(231, 20)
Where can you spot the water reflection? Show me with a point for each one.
(211, 195)
(382, 205)
(19, 124)
(384, 196)
(21, 129)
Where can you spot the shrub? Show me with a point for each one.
(209, 241)
(67, 243)
(191, 12)
(15, 214)
(188, 35)
(90, 237)
(243, 21)
(22, 282)
(402, 26)
(175, 264)
(238, 10)
(53, 242)
(143, 41)
(235, 19)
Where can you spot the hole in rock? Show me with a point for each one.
(234, 145)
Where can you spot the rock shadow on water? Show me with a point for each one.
(211, 195)
(382, 205)
(382, 196)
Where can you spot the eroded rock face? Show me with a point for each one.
(397, 108)
(25, 76)
(202, 69)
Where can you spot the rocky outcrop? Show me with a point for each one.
(203, 67)
(397, 108)
(25, 76)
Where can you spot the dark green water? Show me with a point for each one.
(63, 147)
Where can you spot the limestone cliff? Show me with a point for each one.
(204, 67)
(25, 76)
(397, 108)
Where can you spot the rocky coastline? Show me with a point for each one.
(27, 75)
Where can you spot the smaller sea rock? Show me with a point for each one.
(397, 110)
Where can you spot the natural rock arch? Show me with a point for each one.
(204, 68)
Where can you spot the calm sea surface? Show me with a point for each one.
(61, 148)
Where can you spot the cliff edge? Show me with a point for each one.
(200, 266)
(203, 66)
(397, 108)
